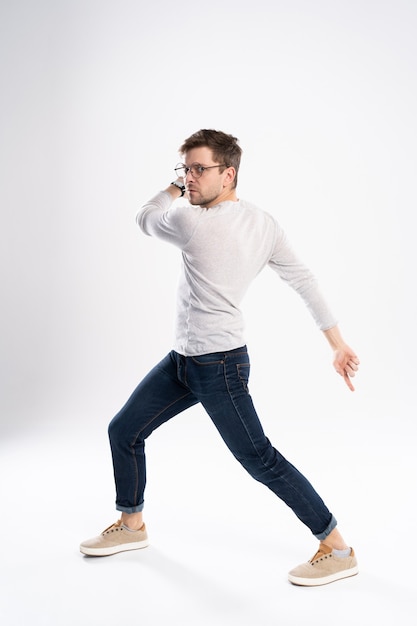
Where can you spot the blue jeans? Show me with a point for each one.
(220, 382)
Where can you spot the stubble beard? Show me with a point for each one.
(200, 200)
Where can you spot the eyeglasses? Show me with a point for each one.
(196, 169)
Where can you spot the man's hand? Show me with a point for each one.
(346, 363)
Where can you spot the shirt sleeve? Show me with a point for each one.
(298, 276)
(159, 218)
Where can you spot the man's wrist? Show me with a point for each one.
(334, 338)
(179, 185)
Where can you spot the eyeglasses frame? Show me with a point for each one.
(194, 166)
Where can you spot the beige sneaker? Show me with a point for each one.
(324, 568)
(115, 539)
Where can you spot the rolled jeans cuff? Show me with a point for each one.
(332, 525)
(130, 509)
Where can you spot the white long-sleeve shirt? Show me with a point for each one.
(223, 249)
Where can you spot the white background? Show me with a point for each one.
(96, 97)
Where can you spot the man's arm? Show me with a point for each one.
(157, 218)
(173, 190)
(345, 362)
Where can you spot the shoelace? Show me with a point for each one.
(112, 526)
(320, 552)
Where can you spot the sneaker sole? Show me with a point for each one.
(315, 582)
(137, 545)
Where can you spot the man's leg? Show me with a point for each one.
(220, 382)
(159, 397)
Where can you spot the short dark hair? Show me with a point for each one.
(224, 147)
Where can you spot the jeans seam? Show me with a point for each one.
(157, 415)
(131, 445)
(288, 483)
(238, 411)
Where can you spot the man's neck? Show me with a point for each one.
(227, 196)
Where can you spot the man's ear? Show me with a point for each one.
(230, 176)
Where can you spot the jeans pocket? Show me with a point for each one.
(208, 359)
(243, 370)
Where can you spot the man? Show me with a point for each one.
(225, 242)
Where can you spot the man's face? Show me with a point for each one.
(209, 188)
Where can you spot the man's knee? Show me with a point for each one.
(114, 428)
